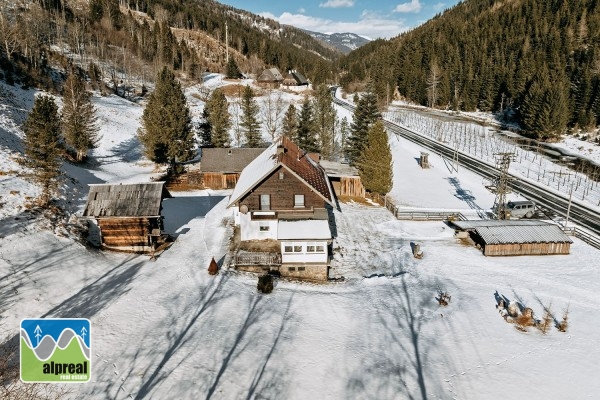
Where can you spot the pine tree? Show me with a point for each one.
(324, 119)
(306, 139)
(365, 115)
(289, 126)
(250, 124)
(544, 110)
(343, 129)
(232, 71)
(79, 122)
(215, 131)
(166, 123)
(375, 162)
(42, 146)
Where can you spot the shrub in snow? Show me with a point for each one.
(443, 298)
(546, 322)
(525, 320)
(213, 268)
(563, 324)
(265, 283)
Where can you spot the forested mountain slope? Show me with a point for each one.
(540, 58)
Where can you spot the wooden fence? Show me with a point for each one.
(583, 235)
(423, 215)
(257, 258)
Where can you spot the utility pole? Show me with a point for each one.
(569, 206)
(226, 43)
(500, 185)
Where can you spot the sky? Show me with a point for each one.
(368, 18)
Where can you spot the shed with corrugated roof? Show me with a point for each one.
(516, 238)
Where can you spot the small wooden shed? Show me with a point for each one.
(126, 217)
(221, 167)
(344, 179)
(516, 238)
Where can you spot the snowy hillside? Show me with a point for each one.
(165, 329)
(345, 42)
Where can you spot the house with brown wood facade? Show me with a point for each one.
(270, 78)
(284, 196)
(221, 167)
(126, 217)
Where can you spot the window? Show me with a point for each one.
(310, 249)
(291, 268)
(301, 268)
(281, 175)
(264, 228)
(298, 200)
(297, 249)
(320, 249)
(288, 249)
(265, 202)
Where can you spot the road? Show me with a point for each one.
(580, 213)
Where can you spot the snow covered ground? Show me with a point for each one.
(165, 329)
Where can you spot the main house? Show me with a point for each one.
(284, 195)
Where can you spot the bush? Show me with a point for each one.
(265, 284)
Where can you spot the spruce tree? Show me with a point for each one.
(324, 119)
(289, 127)
(375, 161)
(365, 115)
(42, 146)
(79, 122)
(215, 131)
(232, 70)
(544, 111)
(306, 139)
(166, 123)
(250, 123)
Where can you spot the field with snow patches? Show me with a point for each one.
(165, 329)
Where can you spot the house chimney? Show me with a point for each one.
(280, 150)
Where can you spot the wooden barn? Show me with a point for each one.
(126, 217)
(344, 179)
(295, 78)
(270, 78)
(515, 238)
(221, 167)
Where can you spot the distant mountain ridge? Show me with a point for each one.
(345, 42)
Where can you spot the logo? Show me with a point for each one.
(55, 350)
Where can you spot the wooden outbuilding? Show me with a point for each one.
(126, 217)
(221, 167)
(344, 178)
(270, 78)
(516, 238)
(295, 78)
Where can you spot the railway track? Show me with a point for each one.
(580, 213)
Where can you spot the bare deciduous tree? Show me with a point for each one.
(272, 112)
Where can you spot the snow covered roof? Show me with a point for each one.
(125, 200)
(232, 160)
(510, 232)
(286, 153)
(337, 169)
(316, 229)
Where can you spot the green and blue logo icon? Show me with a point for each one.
(55, 350)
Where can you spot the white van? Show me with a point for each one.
(521, 209)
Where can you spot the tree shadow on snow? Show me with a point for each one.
(228, 352)
(397, 366)
(179, 211)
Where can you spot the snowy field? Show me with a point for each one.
(165, 329)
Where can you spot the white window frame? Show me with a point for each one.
(298, 197)
(265, 206)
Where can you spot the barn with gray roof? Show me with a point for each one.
(516, 238)
(126, 217)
